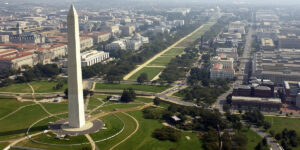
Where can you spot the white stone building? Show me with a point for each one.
(92, 57)
(219, 72)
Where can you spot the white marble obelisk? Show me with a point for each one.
(75, 90)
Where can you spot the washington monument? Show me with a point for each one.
(75, 93)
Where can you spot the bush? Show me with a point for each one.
(167, 133)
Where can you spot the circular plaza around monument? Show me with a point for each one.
(61, 127)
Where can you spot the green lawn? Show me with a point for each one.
(112, 107)
(195, 36)
(16, 125)
(28, 143)
(46, 86)
(174, 52)
(280, 123)
(113, 125)
(150, 71)
(9, 105)
(55, 108)
(3, 145)
(130, 126)
(17, 88)
(253, 138)
(136, 87)
(161, 61)
(93, 103)
(38, 86)
(143, 140)
(143, 100)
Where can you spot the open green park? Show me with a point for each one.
(162, 60)
(280, 123)
(125, 126)
(38, 86)
(150, 71)
(136, 87)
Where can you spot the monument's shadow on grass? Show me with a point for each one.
(22, 131)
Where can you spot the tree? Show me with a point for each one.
(267, 125)
(272, 133)
(226, 107)
(240, 140)
(156, 101)
(237, 126)
(128, 95)
(142, 78)
(167, 133)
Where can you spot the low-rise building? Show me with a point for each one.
(277, 66)
(222, 59)
(86, 42)
(267, 44)
(92, 57)
(229, 52)
(252, 103)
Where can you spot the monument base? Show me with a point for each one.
(62, 127)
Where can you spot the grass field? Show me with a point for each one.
(28, 143)
(16, 124)
(253, 138)
(136, 87)
(9, 105)
(113, 125)
(143, 140)
(93, 102)
(130, 126)
(3, 145)
(195, 36)
(161, 61)
(38, 86)
(150, 71)
(112, 107)
(174, 52)
(55, 108)
(17, 88)
(280, 123)
(46, 86)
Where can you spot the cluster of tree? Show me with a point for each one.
(142, 78)
(203, 94)
(38, 72)
(30, 74)
(178, 67)
(257, 118)
(212, 140)
(152, 113)
(167, 133)
(86, 93)
(263, 145)
(58, 86)
(216, 29)
(128, 95)
(288, 139)
(235, 120)
(202, 118)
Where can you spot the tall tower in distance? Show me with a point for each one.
(75, 90)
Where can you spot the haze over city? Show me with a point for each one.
(149, 74)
